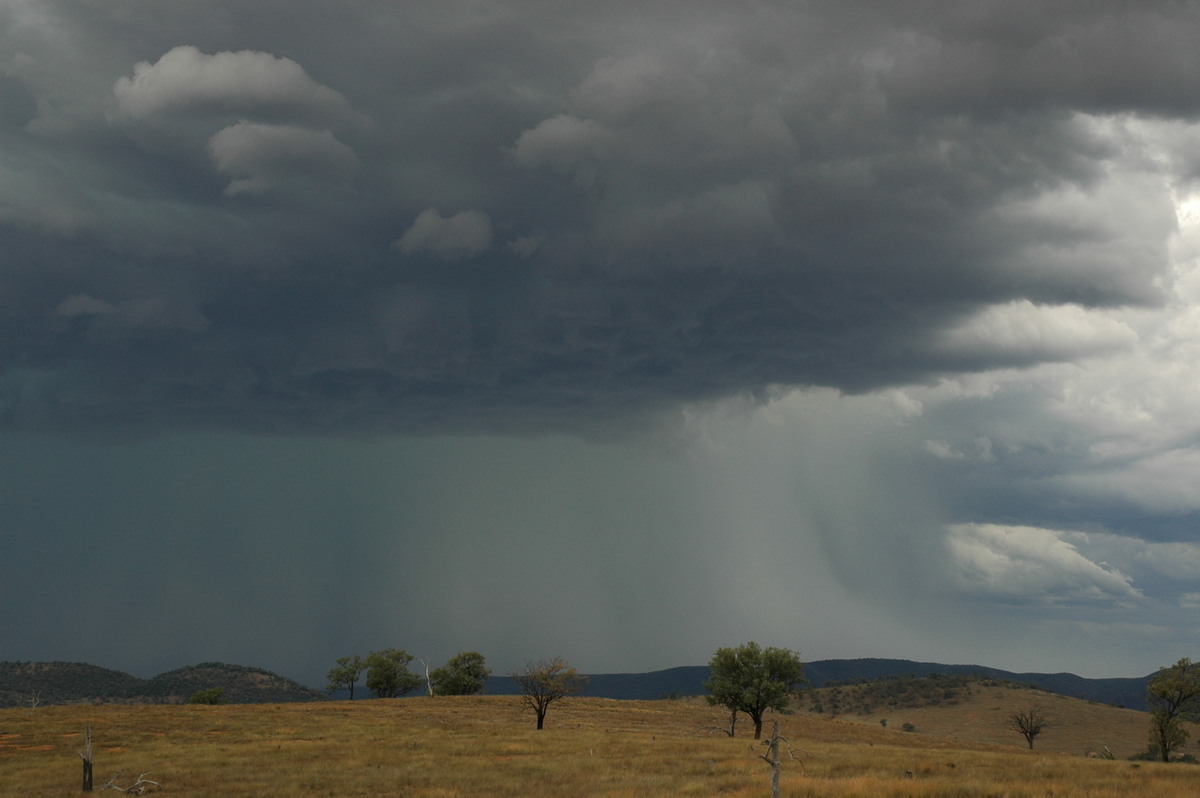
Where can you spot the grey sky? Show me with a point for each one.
(619, 332)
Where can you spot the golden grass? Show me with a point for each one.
(485, 746)
(1075, 726)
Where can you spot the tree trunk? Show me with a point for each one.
(757, 726)
(774, 761)
(541, 718)
(86, 756)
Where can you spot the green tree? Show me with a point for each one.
(213, 695)
(345, 673)
(464, 674)
(752, 680)
(546, 681)
(1172, 696)
(388, 675)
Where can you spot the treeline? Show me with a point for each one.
(388, 675)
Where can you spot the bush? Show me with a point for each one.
(213, 695)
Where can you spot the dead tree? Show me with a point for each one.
(86, 756)
(772, 757)
(428, 678)
(1028, 721)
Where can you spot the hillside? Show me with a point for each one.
(22, 683)
(972, 710)
(689, 680)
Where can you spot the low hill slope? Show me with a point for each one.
(976, 711)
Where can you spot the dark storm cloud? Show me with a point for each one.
(366, 216)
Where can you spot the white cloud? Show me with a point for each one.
(186, 80)
(1025, 331)
(1030, 565)
(262, 157)
(461, 235)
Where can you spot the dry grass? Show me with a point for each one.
(487, 746)
(1075, 726)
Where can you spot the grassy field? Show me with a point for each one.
(483, 746)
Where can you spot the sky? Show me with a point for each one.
(614, 331)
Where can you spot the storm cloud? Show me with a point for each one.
(947, 251)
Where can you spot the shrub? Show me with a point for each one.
(213, 695)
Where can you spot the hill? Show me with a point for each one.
(24, 683)
(975, 710)
(242, 685)
(72, 682)
(689, 680)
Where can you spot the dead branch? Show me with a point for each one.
(728, 732)
(137, 788)
(711, 729)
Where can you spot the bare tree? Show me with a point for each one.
(86, 756)
(1028, 721)
(546, 681)
(428, 677)
(772, 757)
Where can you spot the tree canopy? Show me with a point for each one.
(1172, 696)
(388, 675)
(751, 679)
(546, 681)
(345, 673)
(463, 674)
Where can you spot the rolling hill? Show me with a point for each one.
(24, 683)
(72, 682)
(689, 680)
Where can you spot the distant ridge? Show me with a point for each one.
(689, 680)
(76, 682)
(22, 683)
